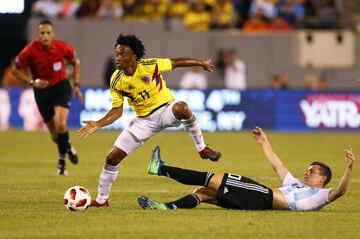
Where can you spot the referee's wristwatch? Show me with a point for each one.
(76, 84)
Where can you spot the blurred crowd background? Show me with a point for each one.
(235, 62)
(203, 15)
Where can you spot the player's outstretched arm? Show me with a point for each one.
(91, 126)
(275, 162)
(345, 180)
(206, 64)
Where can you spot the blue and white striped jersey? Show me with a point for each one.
(301, 197)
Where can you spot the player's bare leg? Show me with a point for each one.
(108, 176)
(182, 112)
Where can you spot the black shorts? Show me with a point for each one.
(238, 192)
(48, 98)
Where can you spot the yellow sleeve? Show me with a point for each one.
(164, 64)
(117, 98)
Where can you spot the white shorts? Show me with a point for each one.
(141, 129)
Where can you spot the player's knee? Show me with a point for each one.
(115, 156)
(180, 106)
(112, 160)
(181, 110)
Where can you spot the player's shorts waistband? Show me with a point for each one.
(154, 110)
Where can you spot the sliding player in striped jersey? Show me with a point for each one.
(140, 80)
(237, 192)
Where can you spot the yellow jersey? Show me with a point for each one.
(145, 90)
(197, 21)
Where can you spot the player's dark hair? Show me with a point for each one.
(45, 22)
(324, 171)
(133, 42)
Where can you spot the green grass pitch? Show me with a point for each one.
(31, 195)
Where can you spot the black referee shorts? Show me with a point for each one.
(238, 192)
(48, 98)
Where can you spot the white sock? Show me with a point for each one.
(192, 127)
(107, 177)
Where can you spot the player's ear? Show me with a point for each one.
(323, 179)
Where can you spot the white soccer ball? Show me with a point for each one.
(77, 198)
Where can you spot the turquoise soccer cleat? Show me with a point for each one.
(148, 204)
(155, 162)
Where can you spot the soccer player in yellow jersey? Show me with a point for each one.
(140, 80)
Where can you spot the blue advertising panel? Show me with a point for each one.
(216, 110)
